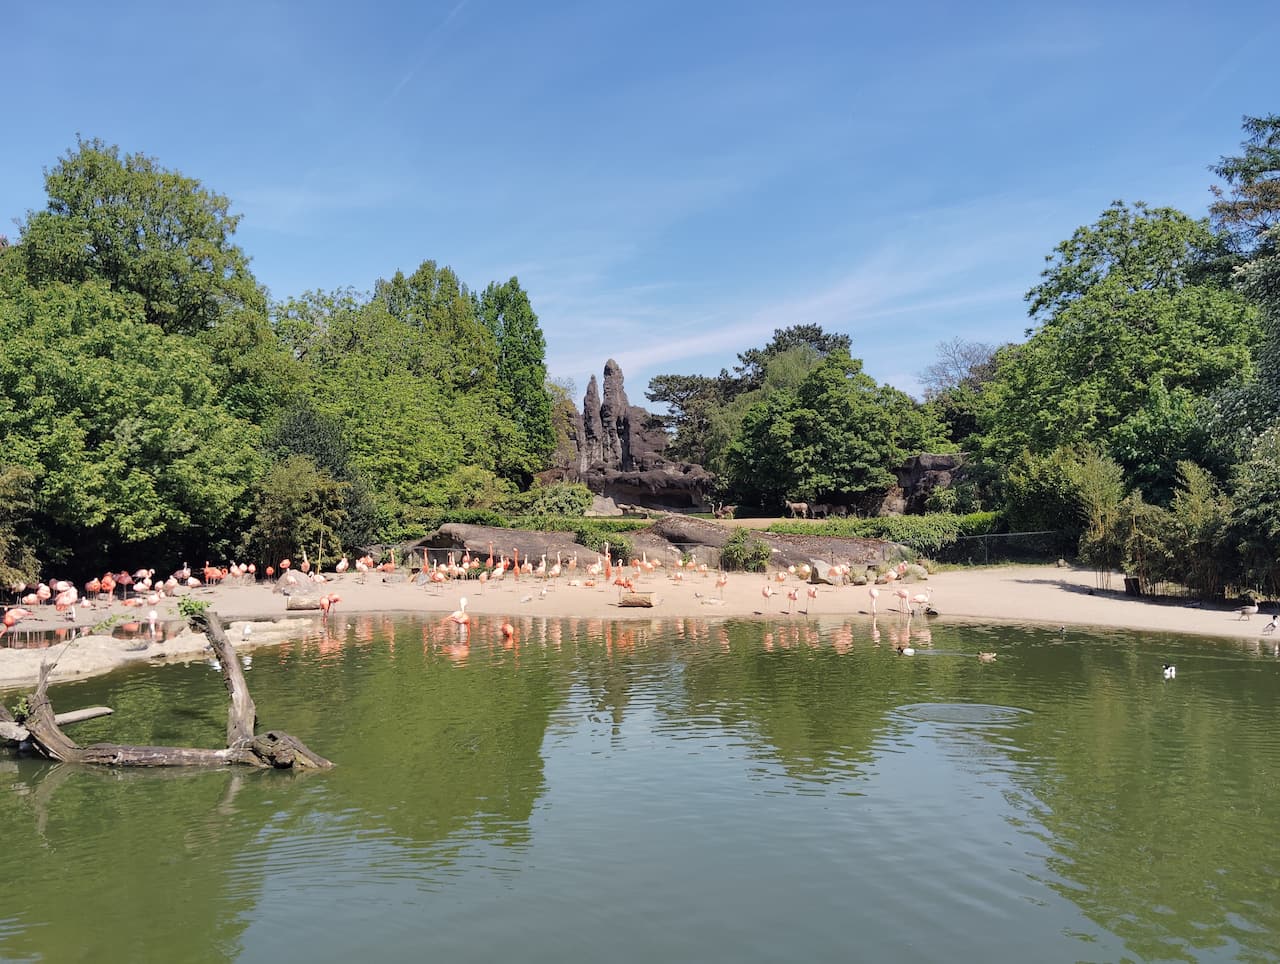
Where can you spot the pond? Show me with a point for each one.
(681, 790)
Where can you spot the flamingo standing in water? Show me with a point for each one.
(459, 615)
(874, 593)
(812, 593)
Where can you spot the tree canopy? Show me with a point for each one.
(143, 230)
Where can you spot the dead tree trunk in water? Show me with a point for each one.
(271, 749)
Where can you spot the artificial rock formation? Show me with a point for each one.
(620, 453)
(922, 474)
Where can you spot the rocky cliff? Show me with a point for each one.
(620, 453)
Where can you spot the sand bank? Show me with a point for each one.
(1019, 594)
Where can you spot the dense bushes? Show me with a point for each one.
(923, 533)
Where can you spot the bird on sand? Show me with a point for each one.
(1247, 610)
(1270, 627)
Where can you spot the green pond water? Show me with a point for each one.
(779, 790)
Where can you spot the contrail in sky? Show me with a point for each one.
(431, 35)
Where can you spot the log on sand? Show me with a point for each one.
(270, 749)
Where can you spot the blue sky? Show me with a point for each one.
(670, 181)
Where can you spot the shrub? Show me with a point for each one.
(922, 533)
(559, 499)
(745, 551)
(594, 538)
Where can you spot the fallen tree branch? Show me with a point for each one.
(271, 749)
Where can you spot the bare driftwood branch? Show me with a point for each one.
(270, 749)
(15, 732)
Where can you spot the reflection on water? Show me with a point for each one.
(680, 789)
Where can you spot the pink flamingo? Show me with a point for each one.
(874, 593)
(460, 615)
(812, 593)
(767, 591)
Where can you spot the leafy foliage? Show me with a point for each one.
(833, 438)
(18, 562)
(1250, 204)
(521, 375)
(1254, 530)
(300, 506)
(1128, 339)
(745, 552)
(558, 499)
(142, 230)
(923, 533)
(119, 424)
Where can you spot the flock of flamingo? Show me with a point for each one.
(143, 588)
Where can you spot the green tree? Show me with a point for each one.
(124, 431)
(18, 562)
(1254, 531)
(837, 436)
(754, 362)
(1249, 205)
(1127, 250)
(1197, 535)
(142, 229)
(299, 506)
(1164, 431)
(1120, 312)
(705, 413)
(300, 430)
(691, 402)
(455, 348)
(521, 375)
(953, 384)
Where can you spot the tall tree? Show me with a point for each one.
(754, 362)
(1250, 203)
(836, 436)
(18, 562)
(1127, 250)
(521, 373)
(704, 413)
(144, 230)
(123, 429)
(1121, 309)
(953, 384)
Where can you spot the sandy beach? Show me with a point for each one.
(1012, 594)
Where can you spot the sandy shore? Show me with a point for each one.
(1020, 594)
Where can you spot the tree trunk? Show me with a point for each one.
(268, 750)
